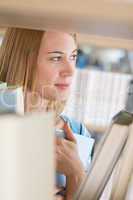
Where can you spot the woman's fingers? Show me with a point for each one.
(69, 133)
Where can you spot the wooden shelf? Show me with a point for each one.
(101, 18)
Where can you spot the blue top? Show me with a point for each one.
(80, 129)
(76, 126)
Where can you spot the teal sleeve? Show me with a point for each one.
(77, 127)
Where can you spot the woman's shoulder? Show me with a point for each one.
(76, 126)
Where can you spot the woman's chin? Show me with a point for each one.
(55, 94)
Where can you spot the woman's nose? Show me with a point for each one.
(68, 68)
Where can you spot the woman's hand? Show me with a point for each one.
(68, 162)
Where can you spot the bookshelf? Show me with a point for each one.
(96, 96)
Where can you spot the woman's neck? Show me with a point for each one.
(35, 103)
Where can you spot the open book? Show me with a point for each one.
(11, 99)
(118, 141)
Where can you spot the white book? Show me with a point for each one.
(84, 145)
(26, 157)
(12, 100)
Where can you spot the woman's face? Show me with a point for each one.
(56, 65)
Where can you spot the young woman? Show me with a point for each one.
(43, 62)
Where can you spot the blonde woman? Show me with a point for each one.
(43, 62)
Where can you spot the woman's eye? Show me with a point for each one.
(57, 58)
(74, 57)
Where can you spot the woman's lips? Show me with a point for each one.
(62, 86)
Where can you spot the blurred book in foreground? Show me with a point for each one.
(26, 157)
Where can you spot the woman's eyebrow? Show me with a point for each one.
(59, 52)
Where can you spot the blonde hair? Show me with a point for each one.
(18, 57)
